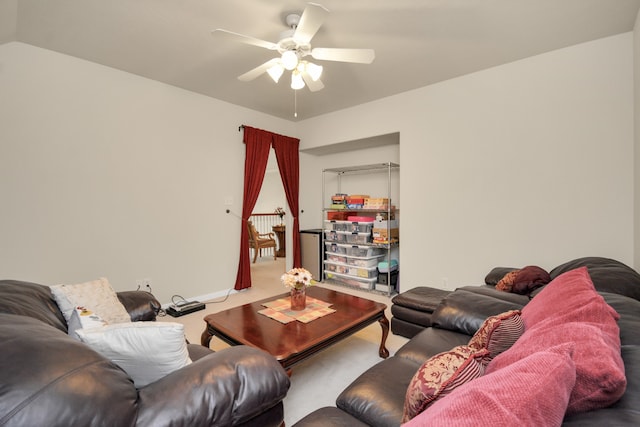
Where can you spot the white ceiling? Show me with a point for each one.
(417, 42)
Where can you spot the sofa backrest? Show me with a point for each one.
(48, 378)
(31, 299)
(607, 275)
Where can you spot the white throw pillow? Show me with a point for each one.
(82, 318)
(147, 351)
(97, 296)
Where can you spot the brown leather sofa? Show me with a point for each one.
(49, 378)
(376, 398)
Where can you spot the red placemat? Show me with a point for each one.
(280, 310)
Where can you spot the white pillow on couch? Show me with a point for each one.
(97, 296)
(147, 351)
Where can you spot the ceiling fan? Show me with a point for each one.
(294, 45)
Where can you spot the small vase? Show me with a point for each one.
(298, 299)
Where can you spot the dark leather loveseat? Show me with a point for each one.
(50, 379)
(377, 397)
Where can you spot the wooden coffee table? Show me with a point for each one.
(295, 341)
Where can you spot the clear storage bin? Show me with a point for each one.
(359, 227)
(349, 226)
(335, 248)
(337, 268)
(345, 279)
(335, 236)
(363, 262)
(367, 273)
(333, 257)
(357, 238)
(363, 251)
(335, 225)
(363, 272)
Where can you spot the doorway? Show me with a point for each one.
(266, 219)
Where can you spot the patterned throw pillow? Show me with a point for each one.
(506, 283)
(524, 281)
(499, 399)
(96, 295)
(498, 333)
(440, 375)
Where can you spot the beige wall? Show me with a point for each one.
(108, 174)
(105, 173)
(526, 163)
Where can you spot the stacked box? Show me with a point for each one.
(335, 236)
(338, 216)
(363, 261)
(385, 231)
(335, 257)
(383, 278)
(335, 248)
(376, 203)
(357, 238)
(349, 226)
(346, 279)
(363, 251)
(363, 272)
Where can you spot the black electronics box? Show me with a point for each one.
(177, 310)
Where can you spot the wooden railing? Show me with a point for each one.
(264, 223)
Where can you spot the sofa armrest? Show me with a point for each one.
(228, 387)
(141, 305)
(464, 311)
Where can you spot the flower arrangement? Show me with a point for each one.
(280, 212)
(297, 278)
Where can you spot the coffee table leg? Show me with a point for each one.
(384, 323)
(205, 338)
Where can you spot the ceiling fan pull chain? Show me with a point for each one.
(295, 103)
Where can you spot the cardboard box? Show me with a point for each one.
(385, 235)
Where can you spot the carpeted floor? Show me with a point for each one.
(317, 381)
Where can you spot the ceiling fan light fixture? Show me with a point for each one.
(275, 72)
(289, 60)
(296, 80)
(314, 70)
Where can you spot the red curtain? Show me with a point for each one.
(286, 149)
(258, 144)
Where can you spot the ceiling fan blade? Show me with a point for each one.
(310, 22)
(230, 35)
(260, 69)
(360, 56)
(313, 86)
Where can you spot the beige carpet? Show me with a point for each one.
(317, 381)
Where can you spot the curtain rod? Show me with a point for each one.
(240, 128)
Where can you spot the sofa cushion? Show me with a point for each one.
(377, 396)
(440, 375)
(569, 297)
(147, 351)
(498, 333)
(569, 310)
(608, 275)
(96, 295)
(497, 399)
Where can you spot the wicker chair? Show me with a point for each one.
(258, 241)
